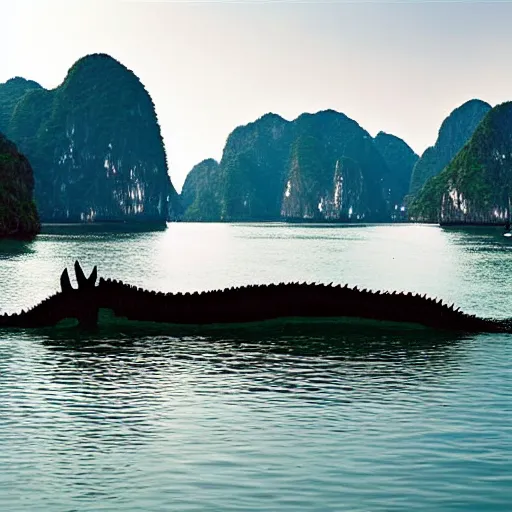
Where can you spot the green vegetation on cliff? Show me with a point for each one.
(252, 170)
(400, 159)
(274, 169)
(309, 180)
(18, 214)
(475, 187)
(95, 145)
(311, 183)
(10, 93)
(455, 131)
(200, 197)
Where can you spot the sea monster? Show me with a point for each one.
(253, 303)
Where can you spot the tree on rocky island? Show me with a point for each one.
(321, 166)
(476, 186)
(18, 214)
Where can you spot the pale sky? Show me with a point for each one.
(210, 66)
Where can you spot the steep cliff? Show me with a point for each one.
(96, 146)
(318, 160)
(253, 170)
(455, 131)
(476, 186)
(346, 199)
(320, 166)
(10, 93)
(18, 215)
(200, 197)
(400, 159)
(308, 180)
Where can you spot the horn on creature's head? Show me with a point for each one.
(94, 275)
(84, 282)
(65, 282)
(80, 276)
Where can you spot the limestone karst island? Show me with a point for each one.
(94, 143)
(91, 150)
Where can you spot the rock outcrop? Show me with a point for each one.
(454, 133)
(253, 170)
(96, 147)
(318, 167)
(18, 214)
(318, 160)
(200, 197)
(476, 186)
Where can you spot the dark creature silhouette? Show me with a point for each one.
(241, 305)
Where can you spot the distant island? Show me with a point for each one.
(318, 167)
(325, 167)
(97, 154)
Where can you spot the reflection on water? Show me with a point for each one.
(313, 337)
(285, 416)
(10, 249)
(107, 229)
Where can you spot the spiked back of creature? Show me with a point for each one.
(255, 303)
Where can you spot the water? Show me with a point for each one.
(296, 417)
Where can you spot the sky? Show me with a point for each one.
(210, 66)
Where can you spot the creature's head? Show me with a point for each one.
(84, 283)
(81, 302)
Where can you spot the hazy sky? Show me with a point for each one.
(400, 67)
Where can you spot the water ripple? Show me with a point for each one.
(299, 418)
(235, 424)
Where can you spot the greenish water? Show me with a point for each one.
(290, 417)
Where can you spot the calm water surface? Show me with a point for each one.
(294, 417)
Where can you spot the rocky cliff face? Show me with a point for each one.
(253, 173)
(308, 184)
(477, 184)
(454, 133)
(200, 197)
(18, 215)
(96, 146)
(321, 166)
(400, 159)
(318, 165)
